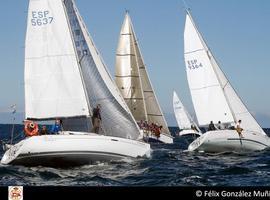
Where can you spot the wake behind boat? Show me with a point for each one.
(133, 81)
(65, 78)
(215, 100)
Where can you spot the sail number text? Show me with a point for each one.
(194, 64)
(41, 18)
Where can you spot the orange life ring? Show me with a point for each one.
(31, 128)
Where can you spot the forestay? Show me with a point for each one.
(239, 109)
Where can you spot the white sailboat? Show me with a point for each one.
(133, 81)
(185, 123)
(65, 78)
(214, 99)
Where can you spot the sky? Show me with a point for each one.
(237, 32)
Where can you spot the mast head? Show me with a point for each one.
(127, 14)
(186, 7)
(127, 11)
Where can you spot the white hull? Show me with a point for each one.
(73, 148)
(189, 132)
(229, 141)
(164, 138)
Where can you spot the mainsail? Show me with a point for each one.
(132, 78)
(53, 85)
(97, 86)
(213, 97)
(183, 119)
(127, 77)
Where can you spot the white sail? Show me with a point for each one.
(150, 103)
(182, 118)
(117, 119)
(239, 109)
(127, 75)
(208, 98)
(214, 98)
(53, 85)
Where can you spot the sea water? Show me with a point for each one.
(169, 165)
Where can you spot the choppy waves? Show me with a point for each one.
(169, 165)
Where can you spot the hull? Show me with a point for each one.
(164, 138)
(189, 132)
(229, 141)
(71, 149)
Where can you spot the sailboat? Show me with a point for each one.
(214, 99)
(185, 123)
(65, 78)
(133, 81)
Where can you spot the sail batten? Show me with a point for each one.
(213, 97)
(147, 109)
(127, 75)
(65, 76)
(152, 106)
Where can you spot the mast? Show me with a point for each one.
(157, 113)
(78, 60)
(135, 43)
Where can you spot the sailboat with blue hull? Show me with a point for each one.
(65, 78)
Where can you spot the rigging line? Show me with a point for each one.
(186, 7)
(138, 56)
(225, 85)
(69, 14)
(240, 139)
